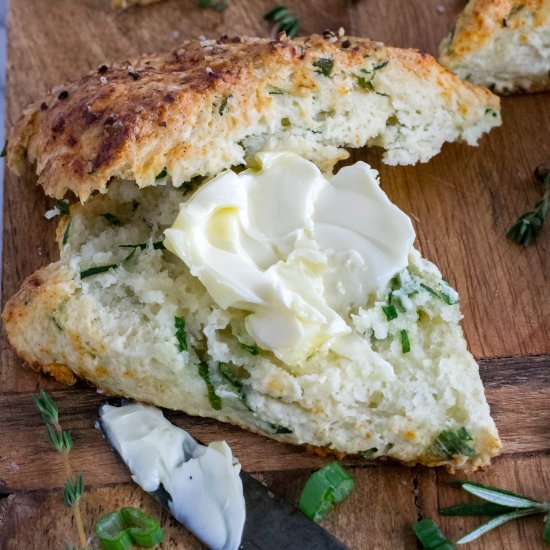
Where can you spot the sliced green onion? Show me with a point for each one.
(213, 397)
(324, 66)
(405, 344)
(453, 442)
(328, 485)
(390, 311)
(103, 268)
(430, 536)
(181, 335)
(119, 530)
(430, 290)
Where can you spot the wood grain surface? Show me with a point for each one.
(461, 203)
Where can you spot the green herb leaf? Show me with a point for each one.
(181, 335)
(162, 174)
(112, 219)
(496, 522)
(324, 66)
(213, 397)
(285, 20)
(405, 344)
(546, 532)
(430, 536)
(46, 406)
(56, 323)
(450, 443)
(63, 208)
(328, 485)
(223, 104)
(390, 311)
(474, 509)
(66, 233)
(73, 491)
(364, 83)
(497, 496)
(97, 270)
(158, 245)
(529, 225)
(253, 350)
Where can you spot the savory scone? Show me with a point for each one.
(209, 105)
(272, 295)
(501, 44)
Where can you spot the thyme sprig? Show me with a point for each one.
(283, 20)
(503, 505)
(529, 225)
(62, 441)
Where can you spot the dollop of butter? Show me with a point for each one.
(294, 250)
(204, 485)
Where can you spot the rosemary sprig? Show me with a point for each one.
(216, 5)
(283, 20)
(62, 442)
(529, 225)
(504, 505)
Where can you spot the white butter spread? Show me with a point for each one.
(294, 250)
(203, 482)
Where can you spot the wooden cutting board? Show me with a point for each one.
(461, 203)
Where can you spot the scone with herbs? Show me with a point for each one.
(243, 282)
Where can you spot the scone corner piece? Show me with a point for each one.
(504, 45)
(211, 104)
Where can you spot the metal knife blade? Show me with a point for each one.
(273, 524)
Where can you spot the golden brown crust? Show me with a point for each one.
(130, 120)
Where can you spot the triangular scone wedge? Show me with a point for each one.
(501, 44)
(118, 330)
(208, 105)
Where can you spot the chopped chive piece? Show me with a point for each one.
(223, 105)
(364, 83)
(158, 245)
(253, 350)
(390, 311)
(112, 219)
(405, 344)
(213, 397)
(474, 509)
(56, 323)
(280, 429)
(162, 174)
(97, 270)
(450, 443)
(328, 485)
(324, 66)
(430, 290)
(369, 453)
(66, 233)
(64, 208)
(181, 335)
(430, 536)
(4, 149)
